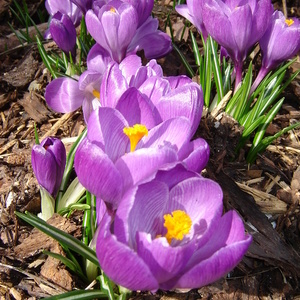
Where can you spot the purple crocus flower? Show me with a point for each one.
(119, 28)
(65, 17)
(169, 234)
(63, 32)
(280, 42)
(192, 11)
(237, 25)
(167, 97)
(48, 163)
(65, 94)
(125, 146)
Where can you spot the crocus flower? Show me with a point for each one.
(119, 28)
(169, 234)
(65, 94)
(280, 42)
(167, 97)
(192, 11)
(68, 13)
(63, 32)
(125, 146)
(237, 25)
(48, 163)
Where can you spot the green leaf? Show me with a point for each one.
(107, 286)
(216, 69)
(268, 119)
(267, 141)
(80, 295)
(65, 239)
(68, 263)
(184, 61)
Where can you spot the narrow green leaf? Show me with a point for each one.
(107, 286)
(216, 69)
(67, 262)
(80, 295)
(266, 142)
(268, 119)
(66, 239)
(184, 61)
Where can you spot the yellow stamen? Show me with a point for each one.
(112, 10)
(289, 22)
(96, 94)
(178, 225)
(135, 134)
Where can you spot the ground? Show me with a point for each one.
(265, 194)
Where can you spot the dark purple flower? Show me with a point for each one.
(84, 5)
(48, 163)
(123, 29)
(237, 25)
(170, 233)
(126, 146)
(65, 94)
(63, 32)
(192, 11)
(280, 42)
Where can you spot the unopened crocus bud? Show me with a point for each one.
(63, 32)
(48, 162)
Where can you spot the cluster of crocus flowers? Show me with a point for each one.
(48, 163)
(170, 233)
(235, 25)
(160, 223)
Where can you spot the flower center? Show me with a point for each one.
(135, 134)
(289, 22)
(178, 225)
(96, 94)
(112, 9)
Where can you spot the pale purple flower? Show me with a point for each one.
(122, 29)
(280, 43)
(167, 97)
(139, 250)
(108, 162)
(66, 94)
(192, 11)
(48, 163)
(237, 25)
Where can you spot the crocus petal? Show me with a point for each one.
(216, 259)
(95, 29)
(177, 81)
(63, 95)
(195, 154)
(172, 132)
(113, 86)
(97, 173)
(131, 215)
(164, 261)
(174, 174)
(140, 164)
(137, 109)
(105, 129)
(143, 8)
(218, 24)
(242, 30)
(200, 198)
(129, 66)
(98, 59)
(121, 263)
(185, 101)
